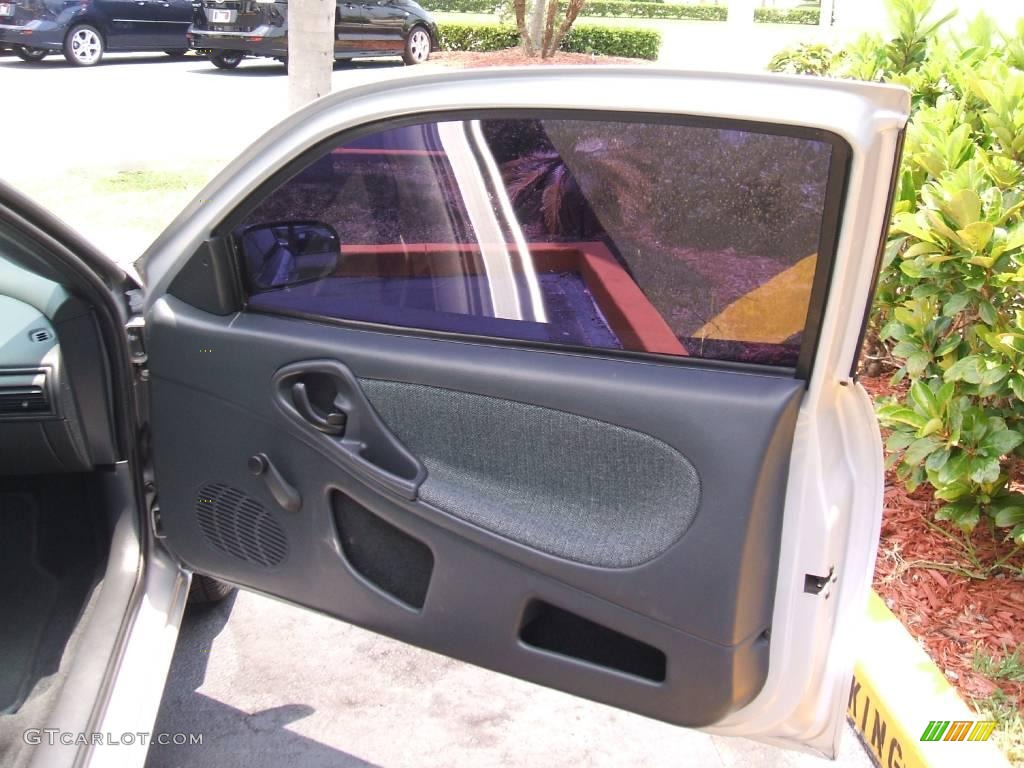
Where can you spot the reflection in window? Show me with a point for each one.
(622, 235)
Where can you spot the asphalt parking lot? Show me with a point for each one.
(267, 684)
(135, 110)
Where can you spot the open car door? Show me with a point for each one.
(550, 371)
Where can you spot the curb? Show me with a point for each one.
(898, 691)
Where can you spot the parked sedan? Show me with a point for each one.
(85, 29)
(230, 30)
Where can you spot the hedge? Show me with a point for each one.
(470, 36)
(463, 6)
(640, 9)
(649, 10)
(645, 9)
(790, 16)
(613, 41)
(582, 38)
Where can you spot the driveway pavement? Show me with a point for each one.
(269, 685)
(138, 112)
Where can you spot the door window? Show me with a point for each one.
(693, 240)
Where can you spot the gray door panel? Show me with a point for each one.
(703, 452)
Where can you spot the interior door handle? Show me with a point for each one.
(331, 424)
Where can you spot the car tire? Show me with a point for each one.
(229, 60)
(178, 53)
(417, 46)
(206, 590)
(83, 46)
(25, 53)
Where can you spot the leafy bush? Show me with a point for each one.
(951, 297)
(787, 15)
(471, 36)
(804, 59)
(950, 300)
(628, 9)
(649, 10)
(582, 38)
(613, 41)
(463, 6)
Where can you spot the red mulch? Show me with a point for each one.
(514, 57)
(921, 573)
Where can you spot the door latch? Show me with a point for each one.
(331, 424)
(814, 585)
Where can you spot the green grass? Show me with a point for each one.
(150, 181)
(119, 211)
(1007, 667)
(1009, 733)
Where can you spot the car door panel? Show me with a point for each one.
(385, 25)
(127, 22)
(571, 385)
(619, 519)
(723, 648)
(168, 22)
(351, 29)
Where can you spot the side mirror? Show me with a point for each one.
(278, 255)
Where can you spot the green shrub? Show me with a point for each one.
(804, 59)
(613, 41)
(649, 10)
(787, 15)
(950, 299)
(462, 6)
(582, 38)
(476, 37)
(628, 9)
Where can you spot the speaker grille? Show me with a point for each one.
(239, 525)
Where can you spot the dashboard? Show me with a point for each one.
(55, 406)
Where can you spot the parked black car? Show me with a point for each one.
(85, 29)
(231, 30)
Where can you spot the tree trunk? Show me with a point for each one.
(538, 12)
(552, 38)
(310, 50)
(525, 40)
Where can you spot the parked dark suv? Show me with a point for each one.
(85, 29)
(231, 30)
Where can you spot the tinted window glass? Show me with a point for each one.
(661, 238)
